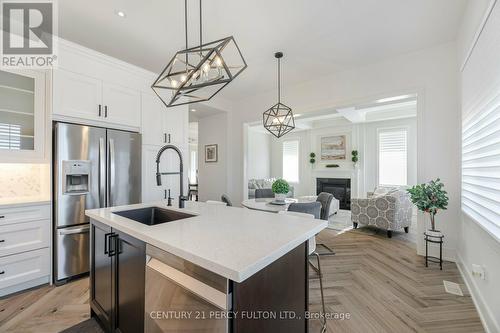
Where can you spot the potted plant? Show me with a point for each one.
(355, 157)
(280, 189)
(430, 198)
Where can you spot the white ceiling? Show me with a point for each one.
(318, 37)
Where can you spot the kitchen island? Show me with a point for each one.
(209, 268)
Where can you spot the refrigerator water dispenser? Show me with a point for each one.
(76, 176)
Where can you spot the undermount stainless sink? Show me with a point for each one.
(153, 215)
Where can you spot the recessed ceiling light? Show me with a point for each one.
(193, 110)
(121, 13)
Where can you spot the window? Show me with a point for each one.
(10, 136)
(393, 157)
(291, 161)
(481, 166)
(193, 167)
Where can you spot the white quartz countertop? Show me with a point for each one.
(232, 242)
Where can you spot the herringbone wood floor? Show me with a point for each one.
(380, 282)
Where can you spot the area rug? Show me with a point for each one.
(87, 326)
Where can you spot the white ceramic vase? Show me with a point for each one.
(279, 196)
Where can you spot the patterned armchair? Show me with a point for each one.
(386, 208)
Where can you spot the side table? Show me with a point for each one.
(436, 240)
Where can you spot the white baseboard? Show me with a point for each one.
(487, 319)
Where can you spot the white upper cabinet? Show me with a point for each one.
(83, 97)
(162, 125)
(175, 124)
(77, 95)
(152, 123)
(23, 122)
(121, 105)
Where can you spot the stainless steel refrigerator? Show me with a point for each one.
(93, 167)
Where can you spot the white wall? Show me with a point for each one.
(480, 76)
(212, 176)
(259, 155)
(362, 137)
(432, 73)
(304, 167)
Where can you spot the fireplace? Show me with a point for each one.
(339, 187)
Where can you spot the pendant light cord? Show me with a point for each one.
(186, 29)
(201, 32)
(279, 80)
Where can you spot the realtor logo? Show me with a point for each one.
(27, 34)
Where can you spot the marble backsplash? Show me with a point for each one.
(24, 182)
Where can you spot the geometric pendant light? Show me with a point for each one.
(198, 73)
(279, 118)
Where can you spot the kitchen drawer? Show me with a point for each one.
(24, 214)
(23, 267)
(22, 237)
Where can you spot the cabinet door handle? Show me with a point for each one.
(100, 110)
(169, 138)
(164, 137)
(2, 272)
(106, 242)
(2, 216)
(2, 240)
(105, 111)
(112, 251)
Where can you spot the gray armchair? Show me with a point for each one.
(388, 209)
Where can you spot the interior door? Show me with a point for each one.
(122, 105)
(124, 168)
(77, 95)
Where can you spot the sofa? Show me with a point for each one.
(387, 208)
(254, 184)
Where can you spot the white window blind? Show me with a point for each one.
(481, 165)
(393, 157)
(10, 136)
(291, 161)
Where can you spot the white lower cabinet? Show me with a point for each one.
(22, 237)
(25, 257)
(18, 269)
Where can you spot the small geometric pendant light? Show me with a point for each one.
(198, 73)
(279, 118)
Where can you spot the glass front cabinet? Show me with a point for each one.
(23, 124)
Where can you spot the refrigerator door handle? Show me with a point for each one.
(101, 174)
(82, 230)
(111, 170)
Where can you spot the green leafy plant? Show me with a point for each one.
(312, 158)
(430, 198)
(355, 157)
(280, 186)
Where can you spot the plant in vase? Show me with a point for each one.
(280, 189)
(430, 198)
(312, 158)
(355, 157)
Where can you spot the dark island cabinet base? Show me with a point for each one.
(273, 300)
(276, 298)
(117, 273)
